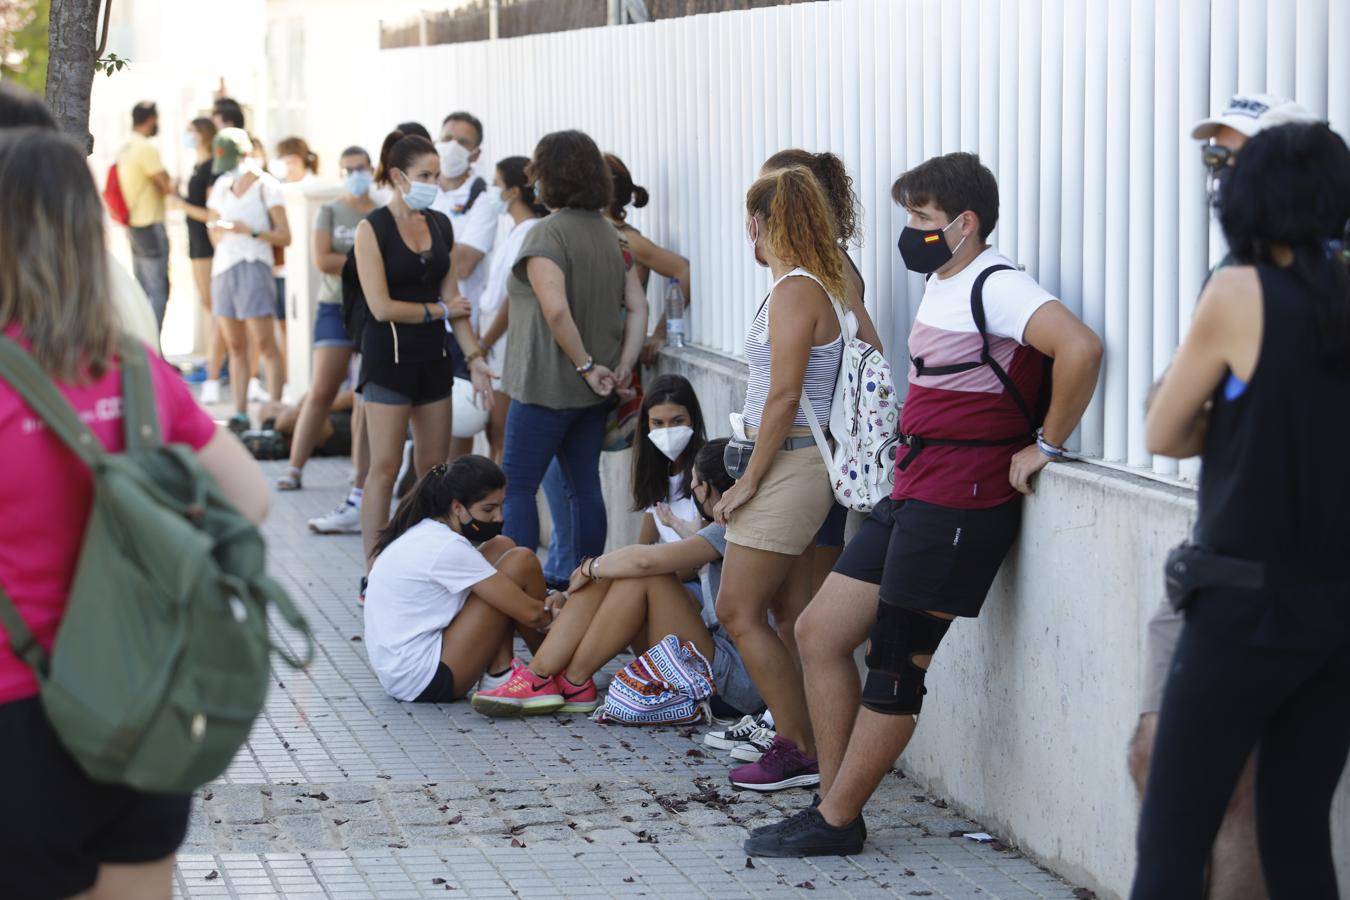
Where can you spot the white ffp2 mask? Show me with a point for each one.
(671, 441)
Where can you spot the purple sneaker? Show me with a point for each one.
(781, 766)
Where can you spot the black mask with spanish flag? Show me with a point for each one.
(925, 251)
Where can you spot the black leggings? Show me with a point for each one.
(1222, 700)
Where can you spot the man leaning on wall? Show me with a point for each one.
(1235, 868)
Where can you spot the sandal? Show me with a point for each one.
(291, 481)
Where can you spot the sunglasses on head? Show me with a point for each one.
(1216, 156)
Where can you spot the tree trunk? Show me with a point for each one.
(70, 66)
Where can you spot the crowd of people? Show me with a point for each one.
(515, 294)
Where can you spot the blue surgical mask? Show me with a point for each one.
(189, 140)
(420, 195)
(358, 183)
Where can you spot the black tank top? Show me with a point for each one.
(1275, 485)
(413, 277)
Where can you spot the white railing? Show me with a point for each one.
(1082, 109)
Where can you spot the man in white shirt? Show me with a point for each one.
(473, 208)
(465, 198)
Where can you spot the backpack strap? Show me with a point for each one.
(139, 412)
(977, 313)
(21, 638)
(476, 190)
(39, 392)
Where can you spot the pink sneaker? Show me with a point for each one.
(782, 766)
(524, 694)
(577, 698)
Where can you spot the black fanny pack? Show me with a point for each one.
(1191, 567)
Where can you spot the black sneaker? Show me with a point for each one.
(816, 802)
(807, 834)
(361, 597)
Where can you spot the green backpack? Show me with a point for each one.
(162, 660)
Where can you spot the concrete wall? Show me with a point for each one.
(1031, 706)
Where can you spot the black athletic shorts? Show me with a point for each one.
(929, 557)
(58, 825)
(441, 689)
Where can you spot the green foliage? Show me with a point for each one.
(23, 53)
(110, 64)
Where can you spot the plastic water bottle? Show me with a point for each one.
(674, 314)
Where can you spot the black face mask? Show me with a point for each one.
(1217, 179)
(925, 251)
(479, 532)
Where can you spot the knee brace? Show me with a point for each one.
(895, 684)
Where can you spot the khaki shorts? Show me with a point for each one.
(792, 501)
(1160, 644)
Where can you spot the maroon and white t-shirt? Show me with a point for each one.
(970, 405)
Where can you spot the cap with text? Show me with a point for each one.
(1251, 114)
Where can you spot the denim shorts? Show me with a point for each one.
(281, 298)
(329, 329)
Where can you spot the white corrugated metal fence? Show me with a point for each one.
(1082, 109)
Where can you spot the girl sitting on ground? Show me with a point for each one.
(670, 434)
(634, 597)
(447, 591)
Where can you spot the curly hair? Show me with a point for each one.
(834, 181)
(798, 224)
(571, 172)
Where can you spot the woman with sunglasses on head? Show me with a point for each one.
(1257, 389)
(402, 257)
(334, 236)
(447, 591)
(515, 194)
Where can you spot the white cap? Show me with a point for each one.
(1253, 113)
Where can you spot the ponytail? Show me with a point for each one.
(834, 181)
(799, 226)
(399, 151)
(468, 480)
(298, 146)
(625, 192)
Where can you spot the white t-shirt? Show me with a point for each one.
(476, 228)
(416, 588)
(1010, 300)
(251, 210)
(684, 507)
(494, 292)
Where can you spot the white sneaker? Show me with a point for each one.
(210, 392)
(256, 392)
(729, 738)
(492, 682)
(346, 519)
(757, 745)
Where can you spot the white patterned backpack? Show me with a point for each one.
(864, 422)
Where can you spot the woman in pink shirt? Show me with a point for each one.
(65, 834)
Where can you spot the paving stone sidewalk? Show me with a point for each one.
(342, 792)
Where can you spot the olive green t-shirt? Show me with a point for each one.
(586, 247)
